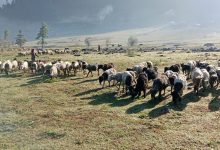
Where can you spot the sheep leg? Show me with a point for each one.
(64, 72)
(139, 93)
(160, 94)
(98, 72)
(144, 90)
(103, 85)
(119, 87)
(123, 90)
(91, 74)
(164, 91)
(74, 72)
(109, 84)
(88, 74)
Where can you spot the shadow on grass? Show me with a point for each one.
(214, 105)
(37, 80)
(186, 99)
(87, 81)
(147, 105)
(109, 98)
(88, 92)
(11, 75)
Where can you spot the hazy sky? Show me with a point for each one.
(75, 17)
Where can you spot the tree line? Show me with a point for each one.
(20, 38)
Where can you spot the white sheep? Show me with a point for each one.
(181, 79)
(138, 68)
(197, 78)
(106, 76)
(24, 66)
(218, 63)
(122, 78)
(206, 78)
(14, 64)
(53, 71)
(7, 66)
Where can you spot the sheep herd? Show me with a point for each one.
(134, 80)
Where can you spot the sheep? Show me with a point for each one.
(150, 64)
(159, 84)
(24, 66)
(75, 66)
(91, 68)
(125, 78)
(188, 68)
(210, 67)
(192, 64)
(151, 74)
(213, 77)
(206, 78)
(63, 66)
(128, 77)
(197, 78)
(180, 83)
(106, 76)
(46, 68)
(142, 84)
(14, 64)
(68, 67)
(33, 67)
(144, 64)
(174, 68)
(218, 63)
(137, 68)
(53, 71)
(116, 77)
(8, 67)
(218, 74)
(2, 66)
(40, 65)
(172, 76)
(105, 67)
(201, 64)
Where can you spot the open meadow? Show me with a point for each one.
(72, 113)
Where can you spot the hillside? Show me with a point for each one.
(170, 33)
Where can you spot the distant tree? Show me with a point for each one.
(132, 41)
(88, 42)
(42, 35)
(20, 39)
(6, 35)
(107, 42)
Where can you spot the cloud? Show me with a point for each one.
(4, 2)
(104, 12)
(170, 13)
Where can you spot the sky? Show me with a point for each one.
(80, 17)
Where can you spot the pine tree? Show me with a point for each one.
(43, 33)
(6, 35)
(20, 39)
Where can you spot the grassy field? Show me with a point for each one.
(75, 113)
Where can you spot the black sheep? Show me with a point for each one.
(174, 68)
(151, 74)
(159, 84)
(186, 69)
(213, 77)
(91, 68)
(105, 67)
(140, 86)
(176, 94)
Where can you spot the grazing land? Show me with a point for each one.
(75, 113)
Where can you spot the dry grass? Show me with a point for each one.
(74, 113)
